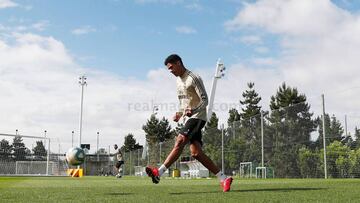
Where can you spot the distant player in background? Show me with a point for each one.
(118, 158)
(193, 101)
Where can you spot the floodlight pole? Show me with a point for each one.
(219, 73)
(160, 145)
(262, 138)
(48, 158)
(45, 136)
(346, 133)
(154, 112)
(222, 148)
(72, 138)
(97, 145)
(82, 82)
(324, 135)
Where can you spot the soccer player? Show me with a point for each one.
(118, 157)
(193, 101)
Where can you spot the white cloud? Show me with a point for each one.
(39, 80)
(296, 18)
(39, 85)
(83, 30)
(41, 25)
(158, 1)
(185, 30)
(250, 39)
(319, 48)
(23, 25)
(194, 6)
(262, 50)
(268, 61)
(7, 4)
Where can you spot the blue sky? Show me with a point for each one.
(132, 37)
(120, 45)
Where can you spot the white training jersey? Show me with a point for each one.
(118, 155)
(192, 94)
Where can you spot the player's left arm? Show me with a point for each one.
(201, 92)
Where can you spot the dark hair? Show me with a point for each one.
(173, 58)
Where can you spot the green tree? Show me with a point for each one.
(39, 151)
(212, 139)
(357, 138)
(309, 163)
(130, 143)
(250, 129)
(234, 116)
(337, 159)
(130, 155)
(333, 130)
(157, 131)
(235, 144)
(251, 103)
(291, 123)
(212, 133)
(5, 150)
(355, 163)
(233, 124)
(19, 149)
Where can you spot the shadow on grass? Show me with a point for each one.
(119, 193)
(279, 189)
(253, 190)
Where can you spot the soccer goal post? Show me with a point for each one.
(260, 172)
(246, 169)
(24, 155)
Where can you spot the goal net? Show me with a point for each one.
(28, 155)
(246, 169)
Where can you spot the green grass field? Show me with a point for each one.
(136, 189)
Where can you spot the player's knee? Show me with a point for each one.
(195, 155)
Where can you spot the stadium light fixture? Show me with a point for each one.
(219, 73)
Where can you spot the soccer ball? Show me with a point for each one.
(75, 156)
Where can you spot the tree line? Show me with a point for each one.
(290, 147)
(17, 151)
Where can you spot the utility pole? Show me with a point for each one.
(324, 135)
(72, 138)
(346, 133)
(97, 145)
(262, 138)
(45, 138)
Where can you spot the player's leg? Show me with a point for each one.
(181, 141)
(175, 153)
(121, 169)
(198, 154)
(118, 168)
